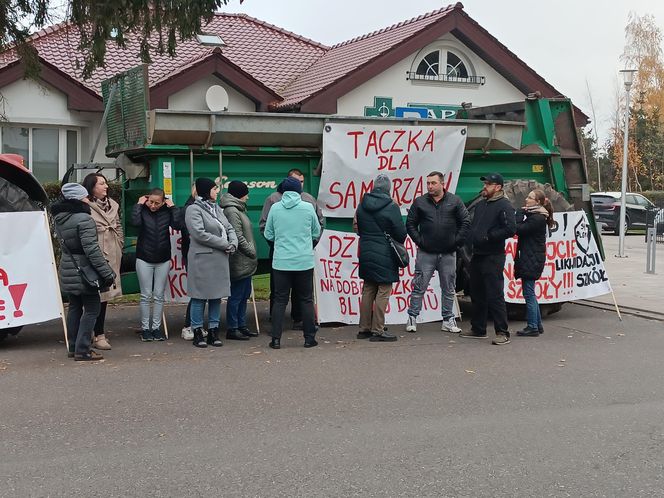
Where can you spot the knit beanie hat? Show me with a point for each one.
(291, 184)
(238, 189)
(203, 187)
(382, 184)
(74, 191)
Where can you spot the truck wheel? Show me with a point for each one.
(516, 191)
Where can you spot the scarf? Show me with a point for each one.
(103, 204)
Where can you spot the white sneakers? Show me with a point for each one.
(450, 326)
(187, 334)
(411, 324)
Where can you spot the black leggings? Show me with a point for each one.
(101, 318)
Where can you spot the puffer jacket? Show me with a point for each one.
(493, 223)
(75, 226)
(154, 237)
(438, 227)
(375, 215)
(244, 261)
(531, 247)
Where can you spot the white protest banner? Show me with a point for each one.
(353, 155)
(176, 290)
(339, 286)
(573, 269)
(29, 291)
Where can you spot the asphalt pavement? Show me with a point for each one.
(575, 412)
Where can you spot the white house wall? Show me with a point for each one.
(393, 83)
(192, 98)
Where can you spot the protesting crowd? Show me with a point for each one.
(220, 257)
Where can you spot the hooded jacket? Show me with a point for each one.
(275, 197)
(438, 227)
(293, 226)
(531, 247)
(77, 229)
(493, 223)
(244, 261)
(154, 237)
(375, 215)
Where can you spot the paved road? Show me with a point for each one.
(576, 412)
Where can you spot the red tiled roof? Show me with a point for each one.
(271, 55)
(343, 58)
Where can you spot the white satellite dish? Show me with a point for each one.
(216, 98)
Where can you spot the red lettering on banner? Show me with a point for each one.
(412, 141)
(176, 284)
(355, 135)
(387, 163)
(4, 279)
(383, 150)
(354, 273)
(429, 142)
(399, 134)
(349, 306)
(372, 142)
(331, 268)
(342, 246)
(560, 249)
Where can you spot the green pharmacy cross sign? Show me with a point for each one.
(383, 108)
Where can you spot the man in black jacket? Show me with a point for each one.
(438, 223)
(493, 222)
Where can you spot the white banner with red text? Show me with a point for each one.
(339, 286)
(573, 269)
(353, 155)
(29, 290)
(176, 289)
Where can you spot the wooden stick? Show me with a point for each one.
(253, 301)
(615, 303)
(163, 320)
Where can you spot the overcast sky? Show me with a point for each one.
(568, 42)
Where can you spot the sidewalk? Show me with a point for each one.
(633, 287)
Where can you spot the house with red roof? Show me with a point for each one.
(426, 67)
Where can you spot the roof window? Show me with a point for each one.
(210, 40)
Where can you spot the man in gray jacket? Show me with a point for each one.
(438, 222)
(296, 309)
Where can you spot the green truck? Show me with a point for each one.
(530, 143)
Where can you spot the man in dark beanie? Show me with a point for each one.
(243, 262)
(292, 226)
(296, 313)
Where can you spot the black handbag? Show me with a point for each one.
(399, 252)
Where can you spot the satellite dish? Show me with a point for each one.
(216, 98)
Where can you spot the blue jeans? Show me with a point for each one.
(198, 310)
(152, 279)
(236, 307)
(426, 264)
(533, 316)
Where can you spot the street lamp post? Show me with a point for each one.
(628, 76)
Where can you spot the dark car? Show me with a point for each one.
(639, 211)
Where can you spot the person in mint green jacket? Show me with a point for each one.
(293, 225)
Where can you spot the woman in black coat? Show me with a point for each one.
(77, 233)
(153, 214)
(531, 223)
(376, 215)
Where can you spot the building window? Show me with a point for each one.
(46, 151)
(210, 40)
(453, 70)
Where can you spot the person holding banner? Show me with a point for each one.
(213, 240)
(153, 214)
(243, 262)
(296, 308)
(292, 226)
(493, 223)
(438, 222)
(531, 223)
(78, 236)
(106, 213)
(376, 218)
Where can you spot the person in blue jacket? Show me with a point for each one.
(293, 226)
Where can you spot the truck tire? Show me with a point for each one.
(516, 191)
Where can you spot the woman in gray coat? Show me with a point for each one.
(78, 236)
(213, 240)
(243, 263)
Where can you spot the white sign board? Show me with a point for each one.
(176, 289)
(29, 290)
(353, 155)
(573, 268)
(339, 286)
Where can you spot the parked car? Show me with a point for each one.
(639, 211)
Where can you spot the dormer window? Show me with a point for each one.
(444, 65)
(210, 40)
